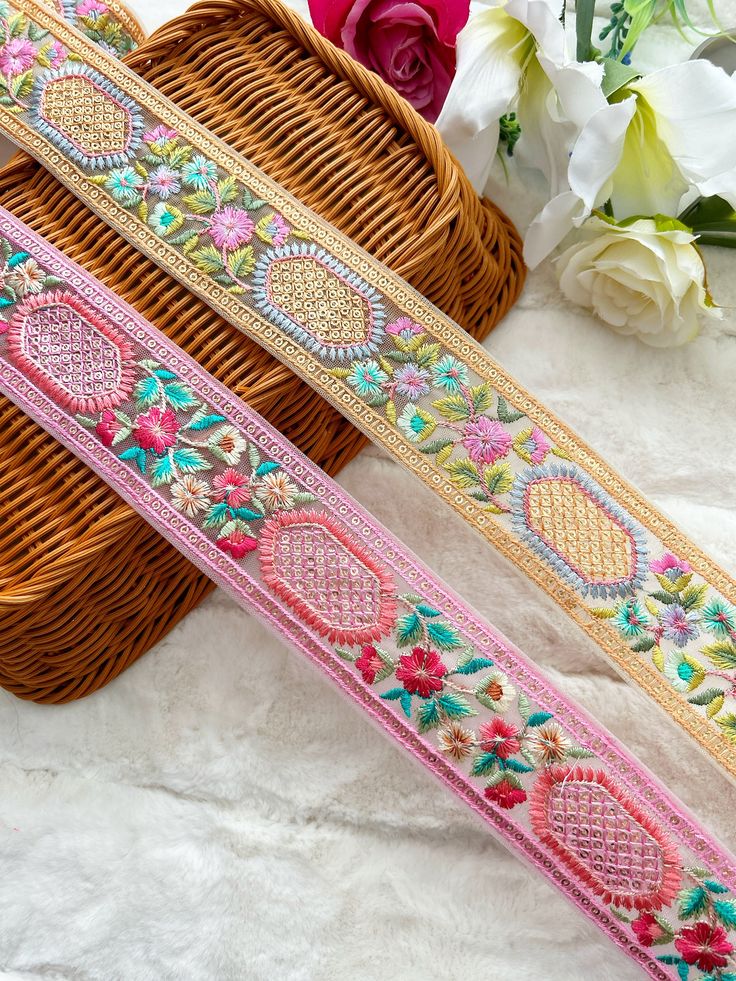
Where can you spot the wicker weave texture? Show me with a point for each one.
(86, 586)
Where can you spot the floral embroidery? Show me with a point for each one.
(412, 655)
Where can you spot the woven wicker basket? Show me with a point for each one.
(86, 586)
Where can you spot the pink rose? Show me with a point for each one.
(409, 43)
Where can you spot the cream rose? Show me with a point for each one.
(645, 278)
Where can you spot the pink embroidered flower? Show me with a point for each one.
(409, 43)
(670, 566)
(404, 328)
(486, 440)
(535, 447)
(499, 737)
(55, 54)
(411, 381)
(164, 181)
(421, 672)
(156, 430)
(647, 930)
(16, 56)
(108, 427)
(369, 663)
(505, 794)
(92, 8)
(160, 135)
(231, 487)
(237, 543)
(704, 945)
(231, 227)
(273, 229)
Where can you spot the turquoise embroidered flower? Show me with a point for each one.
(165, 219)
(631, 618)
(367, 378)
(450, 374)
(199, 172)
(683, 671)
(124, 185)
(416, 424)
(719, 618)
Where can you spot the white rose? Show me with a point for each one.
(646, 278)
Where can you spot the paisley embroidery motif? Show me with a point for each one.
(327, 577)
(86, 116)
(575, 526)
(319, 301)
(599, 833)
(71, 352)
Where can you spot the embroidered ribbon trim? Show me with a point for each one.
(393, 364)
(288, 544)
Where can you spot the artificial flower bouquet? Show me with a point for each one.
(639, 167)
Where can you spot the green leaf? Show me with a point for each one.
(454, 408)
(443, 636)
(603, 612)
(516, 766)
(435, 446)
(481, 397)
(584, 13)
(183, 237)
(475, 664)
(713, 220)
(208, 259)
(463, 473)
(247, 514)
(408, 629)
(162, 471)
(579, 753)
(22, 85)
(428, 716)
(242, 262)
(484, 764)
(714, 886)
(346, 655)
(228, 189)
(427, 355)
(722, 654)
(251, 203)
(616, 75)
(725, 910)
(538, 718)
(254, 457)
(645, 644)
(179, 395)
(412, 598)
(505, 413)
(454, 705)
(427, 611)
(164, 374)
(692, 902)
(697, 872)
(216, 516)
(267, 467)
(705, 697)
(662, 597)
(694, 596)
(499, 478)
(523, 703)
(402, 696)
(201, 202)
(147, 391)
(202, 419)
(189, 460)
(683, 969)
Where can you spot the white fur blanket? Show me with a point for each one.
(219, 813)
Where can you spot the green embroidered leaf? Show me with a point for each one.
(427, 355)
(528, 756)
(538, 718)
(515, 766)
(388, 665)
(246, 514)
(17, 24)
(268, 467)
(481, 397)
(208, 259)
(620, 915)
(85, 421)
(391, 412)
(164, 374)
(251, 203)
(411, 598)
(304, 497)
(579, 753)
(435, 446)
(668, 930)
(714, 886)
(5, 302)
(22, 85)
(692, 902)
(254, 457)
(408, 629)
(15, 260)
(402, 696)
(505, 413)
(189, 460)
(147, 391)
(201, 202)
(683, 969)
(705, 697)
(463, 473)
(399, 356)
(443, 636)
(475, 664)
(454, 705)
(427, 611)
(524, 707)
(428, 716)
(179, 155)
(645, 644)
(162, 471)
(202, 419)
(183, 237)
(216, 516)
(694, 596)
(499, 478)
(722, 654)
(663, 597)
(728, 725)
(484, 765)
(454, 408)
(228, 188)
(697, 872)
(242, 262)
(346, 655)
(179, 395)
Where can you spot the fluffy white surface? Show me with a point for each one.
(221, 813)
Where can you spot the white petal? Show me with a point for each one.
(598, 149)
(578, 87)
(542, 19)
(550, 226)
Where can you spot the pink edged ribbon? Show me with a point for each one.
(288, 544)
